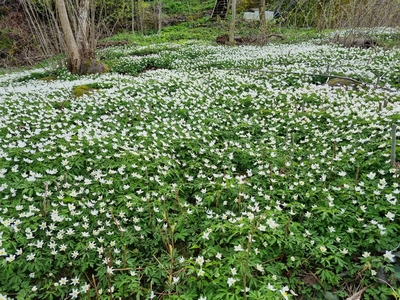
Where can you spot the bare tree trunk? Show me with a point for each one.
(72, 30)
(74, 57)
(141, 15)
(233, 23)
(93, 37)
(82, 33)
(133, 16)
(159, 16)
(262, 13)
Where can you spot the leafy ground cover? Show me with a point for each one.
(195, 171)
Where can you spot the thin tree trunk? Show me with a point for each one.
(141, 15)
(74, 58)
(159, 16)
(262, 13)
(133, 16)
(93, 38)
(233, 24)
(34, 22)
(61, 43)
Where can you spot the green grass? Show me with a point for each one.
(187, 7)
(202, 30)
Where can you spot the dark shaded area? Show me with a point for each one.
(283, 10)
(254, 39)
(358, 42)
(221, 9)
(17, 47)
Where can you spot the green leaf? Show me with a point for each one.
(397, 271)
(331, 296)
(68, 200)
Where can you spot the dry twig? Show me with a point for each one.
(357, 295)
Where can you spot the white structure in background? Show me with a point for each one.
(255, 15)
